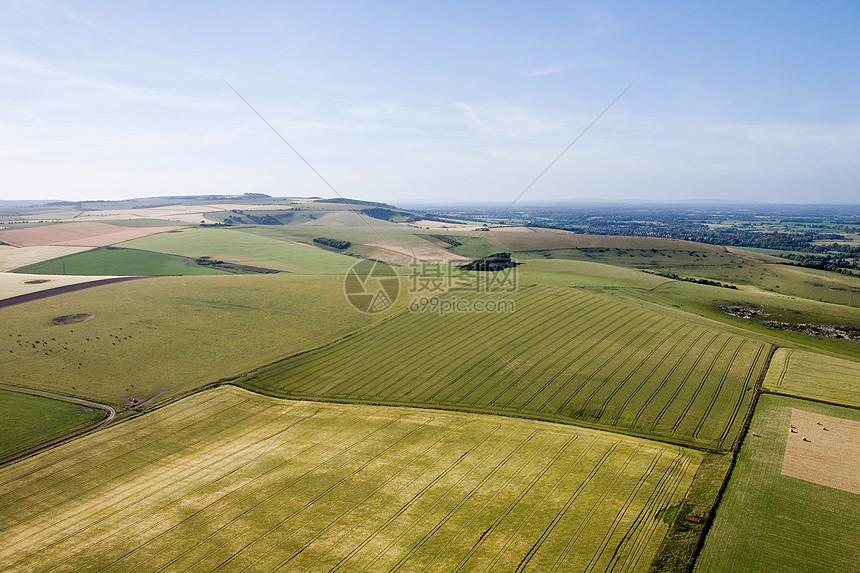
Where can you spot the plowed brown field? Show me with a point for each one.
(77, 234)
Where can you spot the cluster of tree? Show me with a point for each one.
(494, 262)
(395, 216)
(428, 217)
(835, 263)
(708, 282)
(250, 219)
(447, 239)
(333, 243)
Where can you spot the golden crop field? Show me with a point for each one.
(810, 375)
(229, 480)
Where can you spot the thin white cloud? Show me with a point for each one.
(76, 17)
(783, 135)
(548, 71)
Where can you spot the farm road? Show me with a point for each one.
(61, 290)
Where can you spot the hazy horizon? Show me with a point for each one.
(433, 103)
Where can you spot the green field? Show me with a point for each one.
(235, 246)
(473, 246)
(232, 481)
(704, 262)
(809, 375)
(26, 419)
(562, 355)
(767, 521)
(705, 301)
(118, 261)
(157, 337)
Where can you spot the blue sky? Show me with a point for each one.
(411, 102)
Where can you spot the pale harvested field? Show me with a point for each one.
(421, 254)
(235, 481)
(424, 223)
(831, 455)
(182, 213)
(77, 234)
(15, 257)
(812, 375)
(14, 284)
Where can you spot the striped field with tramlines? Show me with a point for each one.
(562, 355)
(227, 480)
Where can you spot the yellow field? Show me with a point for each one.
(14, 284)
(810, 375)
(16, 257)
(234, 481)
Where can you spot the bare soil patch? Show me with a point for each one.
(71, 319)
(819, 330)
(742, 311)
(79, 234)
(823, 450)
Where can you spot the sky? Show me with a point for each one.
(432, 102)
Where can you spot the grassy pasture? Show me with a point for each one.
(562, 355)
(705, 263)
(812, 284)
(586, 274)
(165, 335)
(541, 239)
(26, 419)
(704, 301)
(639, 289)
(770, 522)
(669, 257)
(473, 245)
(229, 480)
(118, 261)
(810, 375)
(235, 246)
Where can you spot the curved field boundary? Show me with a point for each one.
(563, 355)
(229, 480)
(29, 297)
(110, 414)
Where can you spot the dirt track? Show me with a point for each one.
(62, 290)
